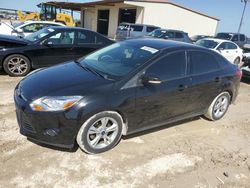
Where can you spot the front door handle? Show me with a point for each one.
(182, 87)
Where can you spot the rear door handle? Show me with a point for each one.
(182, 87)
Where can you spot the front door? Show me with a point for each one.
(103, 22)
(158, 103)
(58, 48)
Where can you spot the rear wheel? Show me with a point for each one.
(218, 107)
(100, 133)
(16, 65)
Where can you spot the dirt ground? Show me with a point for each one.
(194, 153)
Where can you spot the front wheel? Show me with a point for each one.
(238, 62)
(100, 133)
(218, 107)
(16, 65)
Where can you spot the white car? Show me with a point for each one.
(25, 28)
(231, 51)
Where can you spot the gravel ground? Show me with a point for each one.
(194, 153)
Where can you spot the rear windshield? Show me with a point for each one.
(126, 27)
(207, 43)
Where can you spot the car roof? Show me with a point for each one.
(217, 40)
(138, 24)
(232, 33)
(161, 44)
(46, 22)
(172, 30)
(68, 28)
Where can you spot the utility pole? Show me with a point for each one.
(241, 20)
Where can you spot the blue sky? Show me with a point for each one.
(228, 11)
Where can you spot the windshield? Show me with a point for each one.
(207, 43)
(17, 24)
(39, 34)
(226, 36)
(119, 59)
(157, 33)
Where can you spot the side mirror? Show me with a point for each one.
(220, 49)
(166, 37)
(48, 43)
(150, 80)
(18, 30)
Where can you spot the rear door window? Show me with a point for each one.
(170, 67)
(231, 46)
(242, 38)
(87, 37)
(202, 62)
(178, 35)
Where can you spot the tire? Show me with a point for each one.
(93, 137)
(238, 62)
(218, 108)
(16, 65)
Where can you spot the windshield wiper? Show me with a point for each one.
(92, 70)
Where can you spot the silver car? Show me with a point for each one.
(129, 30)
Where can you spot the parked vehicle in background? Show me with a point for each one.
(198, 37)
(231, 51)
(25, 28)
(129, 30)
(246, 59)
(46, 47)
(124, 88)
(239, 39)
(170, 34)
(246, 71)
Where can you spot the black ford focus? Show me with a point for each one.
(122, 89)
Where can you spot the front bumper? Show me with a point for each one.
(36, 125)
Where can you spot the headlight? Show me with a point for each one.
(54, 103)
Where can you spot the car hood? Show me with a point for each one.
(13, 39)
(66, 79)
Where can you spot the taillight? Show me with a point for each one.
(239, 73)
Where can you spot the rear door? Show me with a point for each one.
(87, 42)
(205, 74)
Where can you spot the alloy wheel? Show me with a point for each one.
(17, 65)
(220, 106)
(102, 132)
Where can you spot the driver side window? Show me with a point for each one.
(170, 67)
(31, 28)
(64, 38)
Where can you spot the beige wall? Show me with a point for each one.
(90, 18)
(159, 14)
(173, 17)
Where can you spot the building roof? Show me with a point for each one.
(77, 6)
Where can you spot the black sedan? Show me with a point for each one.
(124, 88)
(47, 47)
